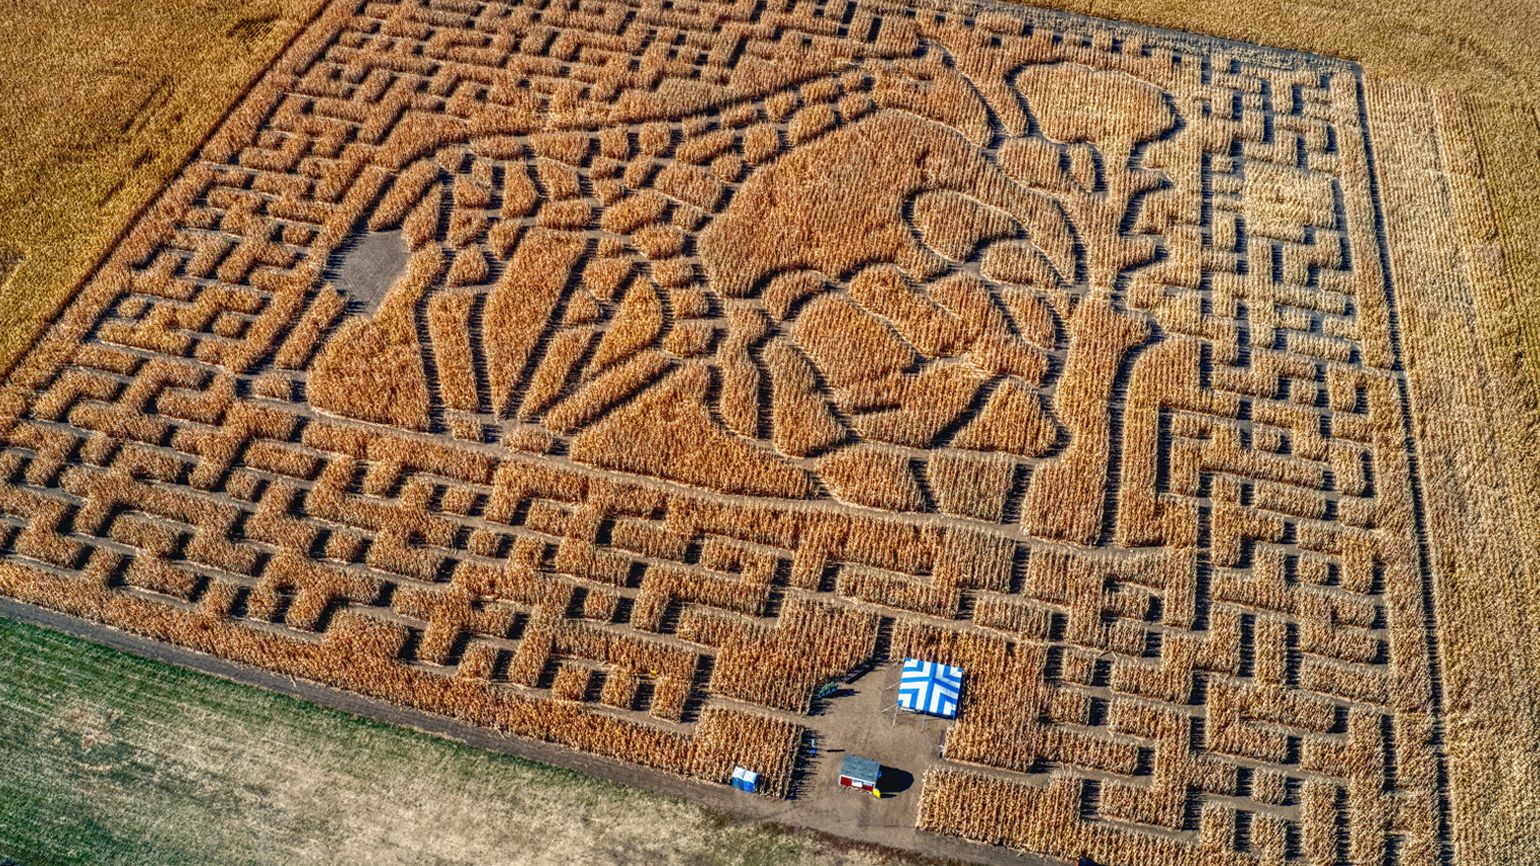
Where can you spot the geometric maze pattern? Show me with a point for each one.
(631, 456)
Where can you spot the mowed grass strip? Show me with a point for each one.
(108, 758)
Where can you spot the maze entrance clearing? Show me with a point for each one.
(617, 375)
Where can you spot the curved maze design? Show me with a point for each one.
(615, 374)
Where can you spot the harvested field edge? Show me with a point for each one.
(135, 217)
(54, 341)
(1419, 512)
(1470, 398)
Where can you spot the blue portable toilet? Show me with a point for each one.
(745, 780)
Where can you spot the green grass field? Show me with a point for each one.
(109, 759)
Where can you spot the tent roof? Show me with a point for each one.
(930, 687)
(857, 767)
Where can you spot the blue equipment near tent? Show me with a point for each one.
(745, 780)
(930, 687)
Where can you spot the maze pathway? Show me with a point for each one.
(615, 374)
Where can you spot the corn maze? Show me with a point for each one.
(614, 374)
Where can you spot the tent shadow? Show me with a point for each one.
(894, 781)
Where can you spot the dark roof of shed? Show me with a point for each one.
(857, 767)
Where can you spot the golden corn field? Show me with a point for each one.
(617, 374)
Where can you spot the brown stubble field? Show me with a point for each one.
(1464, 323)
(1205, 524)
(104, 101)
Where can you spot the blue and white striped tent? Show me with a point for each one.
(930, 687)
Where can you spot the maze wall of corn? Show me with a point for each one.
(615, 374)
